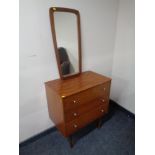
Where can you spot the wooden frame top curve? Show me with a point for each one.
(52, 22)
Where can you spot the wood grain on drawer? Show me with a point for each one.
(84, 108)
(84, 119)
(100, 91)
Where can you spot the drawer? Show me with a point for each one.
(84, 108)
(100, 91)
(84, 120)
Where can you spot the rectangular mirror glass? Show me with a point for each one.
(65, 25)
(67, 41)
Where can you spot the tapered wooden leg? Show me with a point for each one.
(99, 124)
(70, 139)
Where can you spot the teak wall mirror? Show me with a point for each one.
(66, 33)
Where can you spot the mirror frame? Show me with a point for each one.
(76, 12)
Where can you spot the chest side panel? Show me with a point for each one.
(55, 109)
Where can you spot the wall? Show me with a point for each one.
(37, 65)
(37, 58)
(123, 72)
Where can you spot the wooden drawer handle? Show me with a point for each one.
(75, 126)
(104, 88)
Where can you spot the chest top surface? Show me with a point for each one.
(77, 84)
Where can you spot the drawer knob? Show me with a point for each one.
(102, 110)
(104, 89)
(75, 114)
(74, 101)
(103, 100)
(75, 126)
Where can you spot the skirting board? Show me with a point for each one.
(36, 137)
(113, 106)
(117, 106)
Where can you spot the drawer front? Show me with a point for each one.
(100, 91)
(84, 108)
(84, 120)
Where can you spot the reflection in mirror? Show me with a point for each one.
(67, 42)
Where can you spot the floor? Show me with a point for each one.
(115, 137)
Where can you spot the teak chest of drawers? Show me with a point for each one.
(74, 103)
